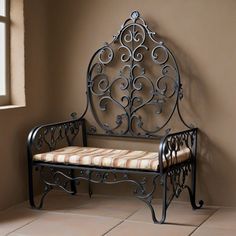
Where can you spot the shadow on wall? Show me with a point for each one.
(197, 102)
(195, 93)
(194, 89)
(213, 160)
(215, 175)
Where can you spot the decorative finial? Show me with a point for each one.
(135, 15)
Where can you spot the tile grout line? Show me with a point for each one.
(122, 221)
(21, 227)
(203, 222)
(36, 218)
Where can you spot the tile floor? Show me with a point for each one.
(112, 216)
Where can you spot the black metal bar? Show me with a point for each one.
(126, 136)
(85, 144)
(30, 170)
(90, 191)
(94, 168)
(73, 183)
(84, 133)
(164, 198)
(194, 165)
(192, 192)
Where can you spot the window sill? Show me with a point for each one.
(6, 107)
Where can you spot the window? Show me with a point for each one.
(4, 52)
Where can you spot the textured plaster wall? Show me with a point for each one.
(16, 123)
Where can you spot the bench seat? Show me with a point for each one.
(104, 157)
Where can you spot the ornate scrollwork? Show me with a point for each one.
(173, 144)
(144, 187)
(62, 179)
(146, 80)
(155, 53)
(178, 178)
(105, 55)
(55, 178)
(51, 135)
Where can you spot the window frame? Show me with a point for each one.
(5, 99)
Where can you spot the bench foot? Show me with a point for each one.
(47, 189)
(49, 184)
(154, 218)
(192, 190)
(192, 197)
(147, 198)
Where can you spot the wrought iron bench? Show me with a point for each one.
(133, 91)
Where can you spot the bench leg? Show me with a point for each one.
(73, 182)
(164, 204)
(90, 192)
(148, 200)
(192, 190)
(31, 185)
(47, 189)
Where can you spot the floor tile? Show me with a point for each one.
(111, 216)
(224, 218)
(208, 231)
(177, 213)
(98, 205)
(60, 224)
(130, 228)
(15, 218)
(116, 207)
(61, 201)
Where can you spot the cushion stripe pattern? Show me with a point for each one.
(105, 157)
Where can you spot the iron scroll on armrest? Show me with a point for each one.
(50, 135)
(172, 143)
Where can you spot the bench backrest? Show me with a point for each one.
(133, 83)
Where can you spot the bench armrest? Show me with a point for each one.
(174, 142)
(50, 135)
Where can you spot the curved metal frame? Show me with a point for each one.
(131, 49)
(171, 174)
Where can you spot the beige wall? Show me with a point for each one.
(60, 37)
(15, 123)
(202, 35)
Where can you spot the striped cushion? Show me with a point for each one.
(108, 157)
